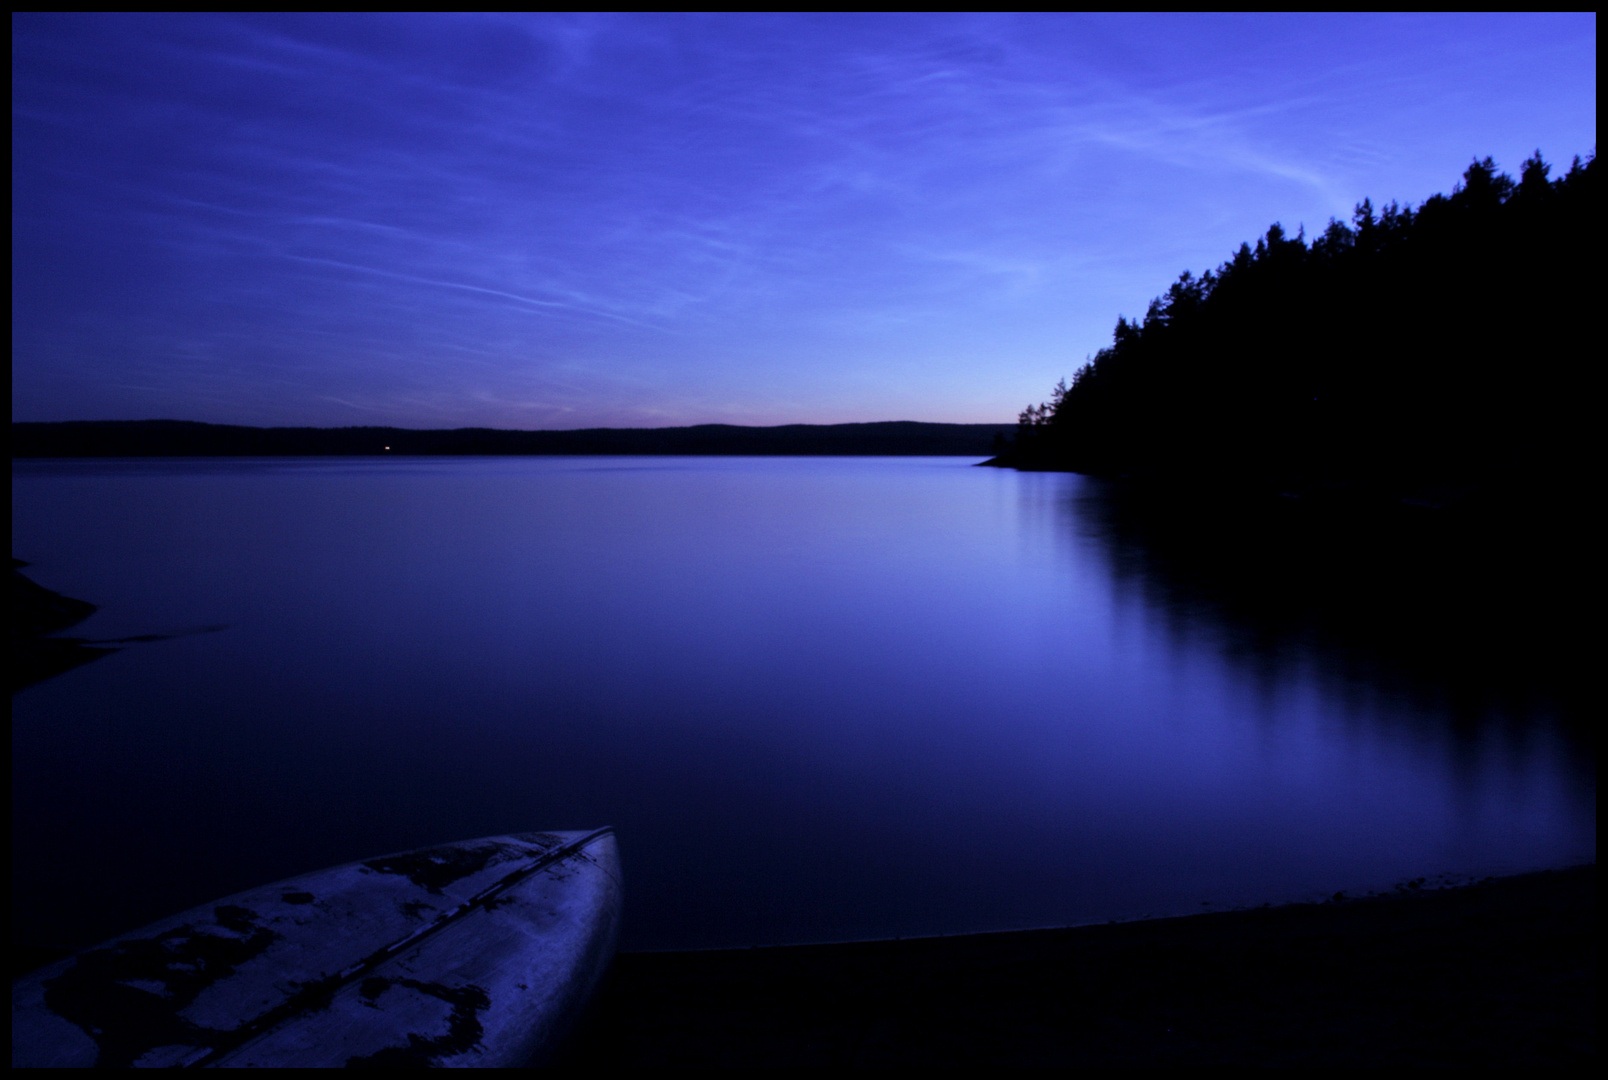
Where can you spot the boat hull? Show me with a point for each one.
(477, 954)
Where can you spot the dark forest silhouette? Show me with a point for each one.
(1435, 355)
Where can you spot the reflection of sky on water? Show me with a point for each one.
(820, 698)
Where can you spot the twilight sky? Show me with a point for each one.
(567, 221)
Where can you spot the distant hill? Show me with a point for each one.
(179, 438)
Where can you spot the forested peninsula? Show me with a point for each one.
(176, 438)
(1436, 355)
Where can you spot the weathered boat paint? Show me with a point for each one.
(477, 954)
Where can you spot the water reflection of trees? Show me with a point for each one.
(1467, 624)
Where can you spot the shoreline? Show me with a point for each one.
(1501, 971)
(177, 438)
(36, 613)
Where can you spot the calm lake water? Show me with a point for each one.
(819, 698)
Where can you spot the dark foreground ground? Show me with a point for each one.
(1499, 973)
(1503, 972)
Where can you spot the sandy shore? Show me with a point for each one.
(1502, 972)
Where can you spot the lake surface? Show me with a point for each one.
(819, 698)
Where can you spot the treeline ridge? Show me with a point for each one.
(178, 438)
(1427, 354)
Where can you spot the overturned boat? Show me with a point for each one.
(476, 954)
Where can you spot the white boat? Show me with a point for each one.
(476, 954)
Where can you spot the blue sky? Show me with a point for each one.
(558, 221)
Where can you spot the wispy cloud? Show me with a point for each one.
(635, 215)
(527, 301)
